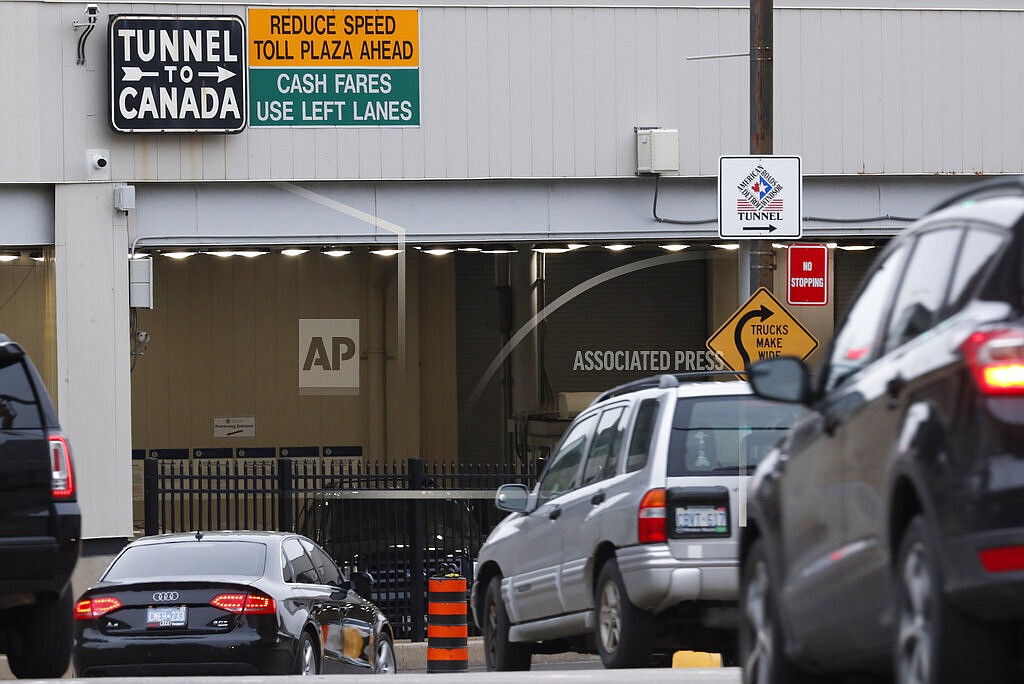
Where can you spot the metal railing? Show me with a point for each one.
(402, 521)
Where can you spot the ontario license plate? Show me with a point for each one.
(702, 520)
(166, 616)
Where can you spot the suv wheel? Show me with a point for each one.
(40, 639)
(305, 657)
(500, 653)
(762, 650)
(623, 632)
(937, 643)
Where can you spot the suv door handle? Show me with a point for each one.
(555, 513)
(894, 388)
(597, 499)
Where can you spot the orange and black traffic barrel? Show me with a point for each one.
(447, 629)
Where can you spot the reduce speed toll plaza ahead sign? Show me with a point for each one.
(761, 329)
(759, 197)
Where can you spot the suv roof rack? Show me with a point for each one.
(982, 188)
(664, 381)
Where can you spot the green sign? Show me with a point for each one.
(334, 97)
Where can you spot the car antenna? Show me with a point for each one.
(199, 535)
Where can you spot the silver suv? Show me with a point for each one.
(628, 546)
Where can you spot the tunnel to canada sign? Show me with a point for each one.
(333, 67)
(177, 74)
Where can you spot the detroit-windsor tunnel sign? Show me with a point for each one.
(173, 74)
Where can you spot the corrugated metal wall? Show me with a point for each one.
(540, 92)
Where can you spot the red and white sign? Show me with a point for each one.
(807, 275)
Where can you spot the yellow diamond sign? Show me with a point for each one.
(761, 329)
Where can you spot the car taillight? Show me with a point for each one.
(249, 604)
(651, 517)
(1002, 559)
(62, 477)
(996, 360)
(87, 609)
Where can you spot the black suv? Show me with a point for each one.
(886, 530)
(39, 523)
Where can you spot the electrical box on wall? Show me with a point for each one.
(657, 150)
(140, 283)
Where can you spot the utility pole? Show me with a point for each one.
(759, 253)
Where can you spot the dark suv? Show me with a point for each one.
(39, 523)
(886, 531)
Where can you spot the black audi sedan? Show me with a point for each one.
(221, 603)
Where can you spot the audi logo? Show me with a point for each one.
(165, 596)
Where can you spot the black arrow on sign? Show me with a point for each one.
(770, 228)
(764, 313)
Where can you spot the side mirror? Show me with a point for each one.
(785, 378)
(362, 582)
(512, 497)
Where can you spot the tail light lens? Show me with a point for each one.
(651, 517)
(1002, 559)
(97, 606)
(996, 360)
(62, 482)
(249, 604)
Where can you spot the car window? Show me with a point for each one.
(303, 570)
(858, 341)
(725, 435)
(560, 475)
(603, 459)
(976, 253)
(325, 566)
(923, 288)
(189, 558)
(643, 435)
(19, 408)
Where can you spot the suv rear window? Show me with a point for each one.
(725, 435)
(19, 407)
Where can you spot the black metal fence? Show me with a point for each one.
(401, 521)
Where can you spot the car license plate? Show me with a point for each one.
(166, 616)
(701, 520)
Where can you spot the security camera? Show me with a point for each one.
(100, 161)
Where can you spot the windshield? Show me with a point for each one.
(190, 558)
(725, 435)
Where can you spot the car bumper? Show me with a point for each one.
(233, 653)
(986, 595)
(656, 581)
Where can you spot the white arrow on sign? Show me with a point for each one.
(221, 73)
(132, 73)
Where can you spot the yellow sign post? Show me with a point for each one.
(761, 329)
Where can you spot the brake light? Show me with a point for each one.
(88, 609)
(249, 604)
(1003, 558)
(996, 360)
(62, 477)
(651, 517)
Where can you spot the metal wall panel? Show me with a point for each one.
(527, 91)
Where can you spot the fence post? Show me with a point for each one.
(150, 496)
(285, 494)
(418, 585)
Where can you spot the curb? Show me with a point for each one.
(411, 656)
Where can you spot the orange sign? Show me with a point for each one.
(761, 329)
(289, 37)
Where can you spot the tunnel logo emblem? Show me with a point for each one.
(165, 596)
